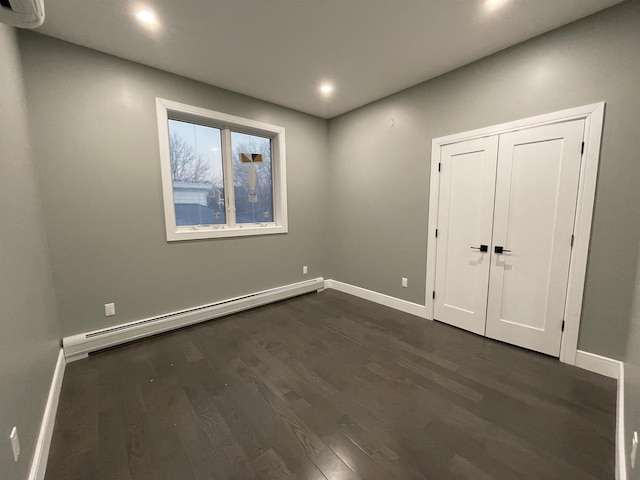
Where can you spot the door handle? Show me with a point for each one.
(500, 249)
(482, 248)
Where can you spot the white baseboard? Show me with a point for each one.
(621, 459)
(381, 298)
(41, 453)
(598, 364)
(80, 345)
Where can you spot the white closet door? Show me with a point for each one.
(467, 183)
(535, 203)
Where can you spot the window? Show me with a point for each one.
(222, 175)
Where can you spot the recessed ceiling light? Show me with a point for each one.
(326, 88)
(146, 16)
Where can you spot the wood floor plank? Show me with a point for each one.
(269, 466)
(138, 444)
(254, 427)
(316, 450)
(312, 404)
(327, 386)
(112, 453)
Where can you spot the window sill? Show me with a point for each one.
(202, 233)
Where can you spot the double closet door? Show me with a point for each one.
(507, 205)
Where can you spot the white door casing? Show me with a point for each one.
(535, 204)
(467, 183)
(593, 116)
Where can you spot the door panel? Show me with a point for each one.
(467, 183)
(535, 201)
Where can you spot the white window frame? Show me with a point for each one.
(166, 110)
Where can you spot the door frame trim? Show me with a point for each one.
(593, 115)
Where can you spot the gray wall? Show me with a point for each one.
(632, 379)
(30, 339)
(96, 149)
(380, 157)
(358, 203)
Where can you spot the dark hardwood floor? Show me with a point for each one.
(329, 386)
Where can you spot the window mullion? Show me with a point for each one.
(227, 165)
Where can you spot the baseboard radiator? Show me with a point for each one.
(80, 345)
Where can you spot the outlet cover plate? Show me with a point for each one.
(109, 309)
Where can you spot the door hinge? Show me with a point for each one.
(433, 295)
(582, 150)
(436, 233)
(563, 325)
(573, 238)
(439, 166)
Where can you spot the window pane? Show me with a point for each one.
(252, 181)
(196, 168)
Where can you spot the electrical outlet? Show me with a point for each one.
(109, 309)
(634, 449)
(304, 270)
(404, 282)
(15, 443)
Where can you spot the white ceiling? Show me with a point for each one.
(282, 50)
